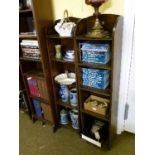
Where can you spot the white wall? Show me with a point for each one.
(128, 31)
(78, 8)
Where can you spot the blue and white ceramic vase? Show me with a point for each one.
(64, 93)
(73, 97)
(63, 117)
(74, 118)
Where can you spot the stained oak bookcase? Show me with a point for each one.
(59, 66)
(113, 24)
(31, 27)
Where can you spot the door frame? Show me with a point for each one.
(127, 47)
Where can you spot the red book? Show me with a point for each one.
(30, 85)
(35, 87)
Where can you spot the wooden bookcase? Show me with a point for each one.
(58, 66)
(31, 27)
(113, 24)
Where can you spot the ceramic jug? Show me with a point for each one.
(74, 118)
(73, 97)
(63, 117)
(64, 93)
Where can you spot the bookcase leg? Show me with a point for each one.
(43, 124)
(109, 146)
(55, 128)
(33, 118)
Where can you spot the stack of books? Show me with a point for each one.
(30, 49)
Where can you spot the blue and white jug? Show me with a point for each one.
(73, 97)
(63, 117)
(64, 93)
(74, 118)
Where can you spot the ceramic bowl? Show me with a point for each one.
(64, 79)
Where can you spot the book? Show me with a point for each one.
(37, 108)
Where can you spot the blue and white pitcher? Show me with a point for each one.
(73, 97)
(74, 118)
(64, 93)
(63, 117)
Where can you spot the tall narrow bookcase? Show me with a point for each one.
(59, 66)
(34, 65)
(112, 24)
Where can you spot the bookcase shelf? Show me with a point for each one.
(40, 99)
(63, 61)
(96, 66)
(66, 105)
(83, 37)
(29, 59)
(101, 117)
(27, 36)
(35, 74)
(56, 36)
(105, 92)
(25, 11)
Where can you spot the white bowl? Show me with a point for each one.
(63, 79)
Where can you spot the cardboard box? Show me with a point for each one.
(96, 104)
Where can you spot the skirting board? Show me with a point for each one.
(91, 140)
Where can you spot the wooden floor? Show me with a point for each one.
(38, 140)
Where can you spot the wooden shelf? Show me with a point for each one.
(83, 37)
(35, 73)
(30, 59)
(40, 99)
(69, 125)
(56, 36)
(63, 61)
(105, 92)
(96, 66)
(25, 11)
(27, 36)
(66, 105)
(102, 117)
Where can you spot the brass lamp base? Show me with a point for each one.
(97, 31)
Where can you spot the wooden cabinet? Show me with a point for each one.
(89, 119)
(34, 65)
